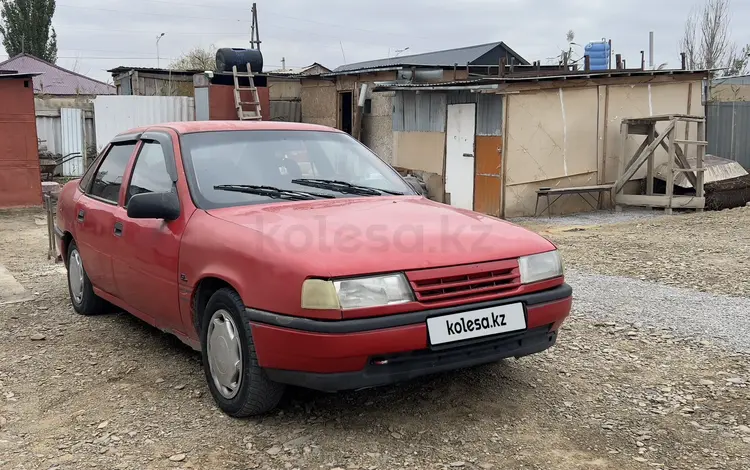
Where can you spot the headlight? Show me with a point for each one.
(540, 267)
(346, 294)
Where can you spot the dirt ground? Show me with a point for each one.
(111, 392)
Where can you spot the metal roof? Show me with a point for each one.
(4, 74)
(445, 58)
(123, 68)
(735, 80)
(54, 80)
(485, 81)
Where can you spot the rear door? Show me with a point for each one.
(146, 250)
(94, 215)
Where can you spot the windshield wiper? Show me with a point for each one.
(344, 187)
(272, 192)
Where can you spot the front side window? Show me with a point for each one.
(292, 161)
(108, 178)
(150, 173)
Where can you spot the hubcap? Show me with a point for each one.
(224, 354)
(75, 276)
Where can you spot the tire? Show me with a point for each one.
(254, 394)
(88, 303)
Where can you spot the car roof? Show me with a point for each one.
(188, 127)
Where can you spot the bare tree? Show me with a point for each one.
(707, 42)
(196, 59)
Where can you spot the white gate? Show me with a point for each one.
(71, 121)
(115, 114)
(459, 155)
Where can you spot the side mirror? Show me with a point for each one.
(154, 206)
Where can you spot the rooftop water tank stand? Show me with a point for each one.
(254, 113)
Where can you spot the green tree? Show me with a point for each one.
(26, 26)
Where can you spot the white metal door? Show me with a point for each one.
(459, 155)
(71, 122)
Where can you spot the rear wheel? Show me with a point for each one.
(236, 381)
(82, 296)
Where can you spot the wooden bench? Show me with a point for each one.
(580, 191)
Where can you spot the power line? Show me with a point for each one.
(276, 26)
(140, 13)
(5, 56)
(296, 18)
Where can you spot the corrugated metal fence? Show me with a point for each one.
(58, 119)
(426, 112)
(118, 113)
(728, 129)
(286, 110)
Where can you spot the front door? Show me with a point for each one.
(146, 257)
(459, 155)
(95, 211)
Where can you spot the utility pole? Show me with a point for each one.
(254, 32)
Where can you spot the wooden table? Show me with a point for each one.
(579, 190)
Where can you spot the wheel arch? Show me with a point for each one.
(202, 292)
(67, 238)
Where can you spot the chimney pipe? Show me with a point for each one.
(651, 50)
(643, 61)
(618, 61)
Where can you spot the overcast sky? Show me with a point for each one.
(96, 35)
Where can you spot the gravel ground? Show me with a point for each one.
(592, 218)
(689, 313)
(621, 390)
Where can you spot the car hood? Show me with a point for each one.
(363, 235)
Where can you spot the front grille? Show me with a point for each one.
(494, 279)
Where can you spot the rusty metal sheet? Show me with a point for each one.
(20, 181)
(488, 178)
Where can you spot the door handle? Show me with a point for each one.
(469, 155)
(118, 229)
(81, 214)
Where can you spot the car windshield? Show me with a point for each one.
(327, 163)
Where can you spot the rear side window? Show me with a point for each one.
(89, 174)
(108, 177)
(150, 173)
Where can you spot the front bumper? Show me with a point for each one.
(354, 354)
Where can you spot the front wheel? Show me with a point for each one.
(82, 296)
(236, 381)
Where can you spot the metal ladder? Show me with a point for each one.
(242, 113)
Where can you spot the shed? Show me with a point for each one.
(20, 180)
(61, 95)
(148, 81)
(488, 144)
(330, 99)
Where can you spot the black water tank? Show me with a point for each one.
(228, 57)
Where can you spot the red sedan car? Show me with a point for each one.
(291, 254)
